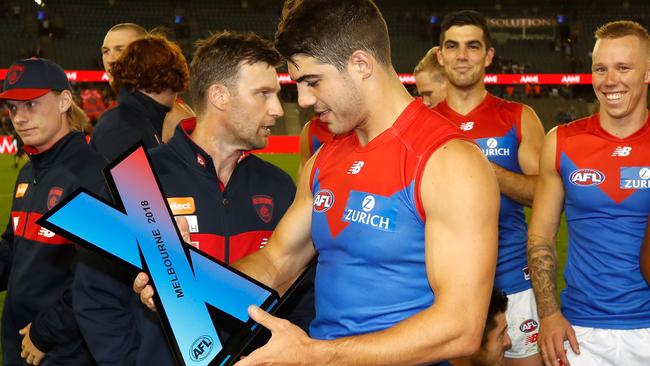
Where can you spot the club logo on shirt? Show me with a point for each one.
(181, 205)
(491, 148)
(264, 207)
(21, 189)
(528, 326)
(323, 200)
(356, 167)
(622, 151)
(637, 177)
(375, 211)
(586, 177)
(54, 197)
(466, 126)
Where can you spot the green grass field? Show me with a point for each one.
(288, 162)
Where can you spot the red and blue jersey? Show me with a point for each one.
(495, 125)
(607, 201)
(318, 134)
(368, 225)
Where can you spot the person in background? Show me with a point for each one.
(430, 79)
(37, 266)
(115, 42)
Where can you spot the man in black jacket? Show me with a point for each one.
(37, 264)
(148, 74)
(231, 199)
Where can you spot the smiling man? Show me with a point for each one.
(511, 136)
(596, 169)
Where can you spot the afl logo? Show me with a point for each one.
(201, 348)
(492, 143)
(323, 200)
(528, 326)
(586, 177)
(14, 73)
(644, 173)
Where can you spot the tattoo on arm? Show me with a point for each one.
(542, 260)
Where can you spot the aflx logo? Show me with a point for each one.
(141, 232)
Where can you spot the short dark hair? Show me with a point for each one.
(217, 60)
(137, 29)
(331, 30)
(152, 64)
(466, 17)
(498, 305)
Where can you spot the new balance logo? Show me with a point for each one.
(264, 242)
(622, 151)
(46, 233)
(466, 126)
(16, 221)
(356, 167)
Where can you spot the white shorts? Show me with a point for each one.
(610, 347)
(523, 324)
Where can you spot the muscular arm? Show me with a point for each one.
(542, 231)
(460, 260)
(521, 187)
(645, 255)
(289, 249)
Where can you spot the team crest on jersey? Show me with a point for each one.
(586, 177)
(323, 200)
(637, 177)
(264, 207)
(54, 197)
(377, 212)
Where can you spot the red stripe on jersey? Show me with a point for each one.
(210, 244)
(246, 243)
(25, 226)
(240, 245)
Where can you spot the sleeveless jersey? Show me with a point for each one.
(368, 225)
(495, 125)
(607, 201)
(318, 134)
